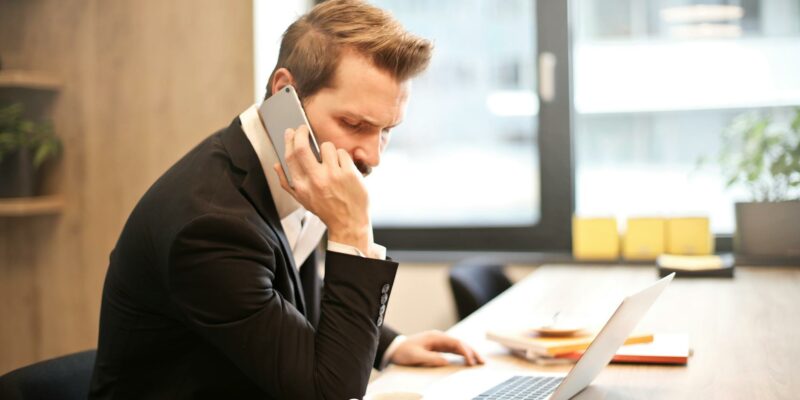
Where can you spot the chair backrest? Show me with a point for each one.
(474, 283)
(66, 378)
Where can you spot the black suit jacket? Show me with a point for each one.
(202, 298)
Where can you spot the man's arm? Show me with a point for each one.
(221, 277)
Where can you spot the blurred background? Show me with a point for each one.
(530, 112)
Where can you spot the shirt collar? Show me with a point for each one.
(257, 135)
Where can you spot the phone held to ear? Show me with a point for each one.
(280, 112)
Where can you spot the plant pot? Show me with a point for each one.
(768, 232)
(17, 175)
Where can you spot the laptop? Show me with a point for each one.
(487, 384)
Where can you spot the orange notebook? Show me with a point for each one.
(664, 349)
(534, 345)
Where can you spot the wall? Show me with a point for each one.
(422, 300)
(143, 81)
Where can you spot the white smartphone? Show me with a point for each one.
(282, 111)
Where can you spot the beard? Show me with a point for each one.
(363, 168)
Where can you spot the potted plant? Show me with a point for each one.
(761, 152)
(24, 146)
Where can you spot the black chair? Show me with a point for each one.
(474, 283)
(66, 378)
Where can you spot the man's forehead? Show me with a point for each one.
(366, 92)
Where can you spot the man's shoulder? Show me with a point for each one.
(203, 182)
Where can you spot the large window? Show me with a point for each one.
(467, 152)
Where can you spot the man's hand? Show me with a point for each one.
(423, 350)
(333, 190)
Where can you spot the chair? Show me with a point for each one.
(474, 283)
(66, 378)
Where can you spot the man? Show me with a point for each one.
(212, 289)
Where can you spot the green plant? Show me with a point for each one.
(19, 133)
(761, 151)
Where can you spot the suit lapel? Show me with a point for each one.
(254, 187)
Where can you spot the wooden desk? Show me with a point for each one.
(744, 332)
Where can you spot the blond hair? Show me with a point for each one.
(312, 45)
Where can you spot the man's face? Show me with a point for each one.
(359, 110)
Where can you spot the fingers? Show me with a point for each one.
(466, 352)
(480, 358)
(302, 148)
(346, 162)
(430, 359)
(443, 342)
(328, 152)
(288, 140)
(291, 159)
(296, 154)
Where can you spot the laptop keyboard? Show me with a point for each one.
(522, 388)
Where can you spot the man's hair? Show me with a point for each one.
(312, 46)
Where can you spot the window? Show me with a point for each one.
(656, 82)
(467, 152)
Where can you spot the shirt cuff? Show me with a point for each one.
(387, 355)
(376, 251)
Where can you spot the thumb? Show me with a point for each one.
(278, 168)
(431, 359)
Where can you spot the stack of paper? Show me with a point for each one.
(536, 345)
(696, 266)
(638, 348)
(664, 349)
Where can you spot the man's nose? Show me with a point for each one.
(369, 151)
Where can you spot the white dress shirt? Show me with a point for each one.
(303, 229)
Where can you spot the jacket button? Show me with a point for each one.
(384, 298)
(382, 310)
(385, 289)
(379, 322)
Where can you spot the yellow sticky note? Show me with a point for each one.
(689, 236)
(595, 238)
(644, 238)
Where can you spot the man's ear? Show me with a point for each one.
(281, 79)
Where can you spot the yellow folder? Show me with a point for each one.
(595, 238)
(689, 236)
(644, 238)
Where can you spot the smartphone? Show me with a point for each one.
(282, 111)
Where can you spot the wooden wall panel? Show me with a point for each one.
(144, 81)
(42, 255)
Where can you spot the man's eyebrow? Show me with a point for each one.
(367, 119)
(393, 126)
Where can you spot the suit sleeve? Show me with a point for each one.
(221, 279)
